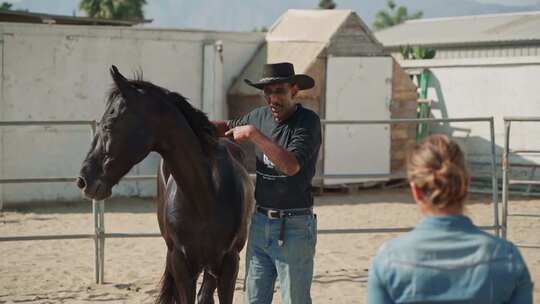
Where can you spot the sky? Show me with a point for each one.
(511, 2)
(504, 2)
(246, 15)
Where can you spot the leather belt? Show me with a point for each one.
(282, 215)
(279, 213)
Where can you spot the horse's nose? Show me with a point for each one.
(81, 183)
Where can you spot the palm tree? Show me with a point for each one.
(93, 8)
(262, 29)
(114, 9)
(393, 16)
(417, 52)
(131, 9)
(327, 4)
(5, 6)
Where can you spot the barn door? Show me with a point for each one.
(358, 88)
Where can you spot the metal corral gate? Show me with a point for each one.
(98, 207)
(496, 226)
(508, 181)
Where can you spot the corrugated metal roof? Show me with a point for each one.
(481, 29)
(30, 17)
(307, 25)
(302, 54)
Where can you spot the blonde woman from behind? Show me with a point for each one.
(446, 258)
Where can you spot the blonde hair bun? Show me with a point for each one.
(437, 167)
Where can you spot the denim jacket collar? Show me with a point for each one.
(446, 222)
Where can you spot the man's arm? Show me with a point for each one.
(283, 159)
(222, 126)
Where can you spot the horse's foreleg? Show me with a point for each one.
(184, 281)
(206, 293)
(162, 177)
(227, 278)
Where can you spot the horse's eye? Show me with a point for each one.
(107, 163)
(107, 145)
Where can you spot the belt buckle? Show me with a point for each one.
(269, 213)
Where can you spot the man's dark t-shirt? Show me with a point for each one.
(299, 134)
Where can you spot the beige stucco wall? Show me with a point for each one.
(62, 73)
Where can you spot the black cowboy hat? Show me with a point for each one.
(282, 72)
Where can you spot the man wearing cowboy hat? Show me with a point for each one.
(283, 231)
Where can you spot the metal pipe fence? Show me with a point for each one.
(98, 207)
(493, 161)
(507, 181)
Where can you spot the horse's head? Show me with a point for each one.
(124, 137)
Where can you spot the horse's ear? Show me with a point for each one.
(122, 83)
(116, 75)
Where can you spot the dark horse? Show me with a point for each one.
(204, 196)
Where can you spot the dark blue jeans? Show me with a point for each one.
(291, 263)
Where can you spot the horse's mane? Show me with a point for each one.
(204, 130)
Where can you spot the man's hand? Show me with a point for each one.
(285, 161)
(242, 133)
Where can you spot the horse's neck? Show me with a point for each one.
(190, 168)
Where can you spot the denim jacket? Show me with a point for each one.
(448, 259)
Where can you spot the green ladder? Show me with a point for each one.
(423, 108)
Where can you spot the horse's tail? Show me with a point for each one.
(167, 294)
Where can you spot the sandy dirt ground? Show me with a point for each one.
(63, 271)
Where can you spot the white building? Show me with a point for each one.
(486, 65)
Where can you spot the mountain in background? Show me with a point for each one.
(242, 15)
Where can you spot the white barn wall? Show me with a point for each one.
(62, 73)
(491, 87)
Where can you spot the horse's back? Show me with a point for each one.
(234, 149)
